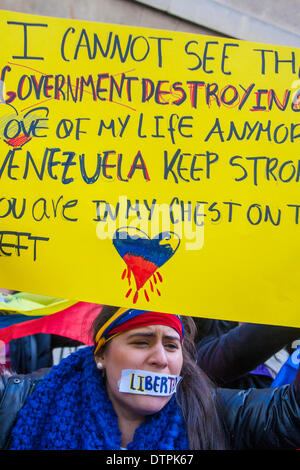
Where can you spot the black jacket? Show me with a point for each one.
(227, 351)
(253, 419)
(14, 389)
(34, 352)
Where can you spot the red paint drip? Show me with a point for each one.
(158, 292)
(154, 277)
(128, 293)
(159, 276)
(151, 285)
(146, 295)
(129, 276)
(135, 297)
(124, 273)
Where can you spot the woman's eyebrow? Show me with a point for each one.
(141, 334)
(172, 337)
(152, 335)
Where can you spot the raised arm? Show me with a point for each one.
(228, 356)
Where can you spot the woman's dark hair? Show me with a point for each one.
(196, 392)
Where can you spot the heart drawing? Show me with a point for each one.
(143, 257)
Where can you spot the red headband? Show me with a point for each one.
(150, 318)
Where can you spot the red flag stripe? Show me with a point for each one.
(73, 322)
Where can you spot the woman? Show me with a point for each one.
(86, 403)
(157, 347)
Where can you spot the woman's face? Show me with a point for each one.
(154, 348)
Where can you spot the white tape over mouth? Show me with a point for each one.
(143, 382)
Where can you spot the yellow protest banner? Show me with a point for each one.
(150, 168)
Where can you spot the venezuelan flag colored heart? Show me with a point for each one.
(144, 255)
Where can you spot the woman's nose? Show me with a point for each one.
(158, 356)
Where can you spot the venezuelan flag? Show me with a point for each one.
(23, 314)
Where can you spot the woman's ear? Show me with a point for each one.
(99, 359)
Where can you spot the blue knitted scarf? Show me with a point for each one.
(70, 409)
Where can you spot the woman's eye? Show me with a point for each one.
(171, 346)
(140, 343)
